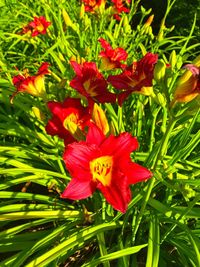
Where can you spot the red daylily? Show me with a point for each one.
(103, 163)
(93, 5)
(111, 57)
(188, 86)
(90, 83)
(33, 85)
(68, 120)
(135, 78)
(38, 26)
(119, 7)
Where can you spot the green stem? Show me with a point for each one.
(140, 117)
(101, 237)
(152, 137)
(102, 247)
(162, 151)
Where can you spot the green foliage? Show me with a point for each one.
(37, 228)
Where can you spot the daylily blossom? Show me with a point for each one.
(119, 7)
(38, 26)
(136, 78)
(33, 85)
(188, 86)
(90, 83)
(103, 163)
(68, 120)
(111, 58)
(93, 5)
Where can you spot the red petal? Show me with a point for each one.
(79, 190)
(117, 194)
(77, 157)
(95, 135)
(76, 67)
(119, 146)
(122, 96)
(43, 68)
(105, 44)
(136, 173)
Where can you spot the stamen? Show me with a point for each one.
(101, 169)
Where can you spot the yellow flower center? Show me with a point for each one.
(89, 89)
(40, 27)
(101, 169)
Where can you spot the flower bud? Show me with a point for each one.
(38, 113)
(149, 21)
(82, 11)
(160, 100)
(66, 17)
(159, 71)
(126, 25)
(99, 117)
(69, 22)
(173, 59)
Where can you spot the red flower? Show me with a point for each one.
(68, 120)
(136, 78)
(105, 164)
(93, 5)
(38, 26)
(119, 8)
(90, 83)
(33, 85)
(111, 57)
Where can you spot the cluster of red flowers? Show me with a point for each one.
(97, 6)
(136, 77)
(95, 158)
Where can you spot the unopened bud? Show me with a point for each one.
(66, 17)
(127, 27)
(160, 100)
(159, 71)
(38, 113)
(149, 21)
(172, 59)
(69, 22)
(99, 117)
(82, 11)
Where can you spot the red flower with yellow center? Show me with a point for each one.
(135, 78)
(119, 7)
(38, 26)
(188, 86)
(111, 57)
(90, 83)
(93, 5)
(33, 85)
(103, 163)
(68, 120)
